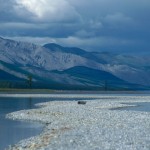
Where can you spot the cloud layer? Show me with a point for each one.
(48, 11)
(97, 25)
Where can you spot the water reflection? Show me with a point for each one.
(13, 131)
(139, 106)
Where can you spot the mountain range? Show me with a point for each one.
(54, 66)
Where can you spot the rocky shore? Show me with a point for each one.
(70, 125)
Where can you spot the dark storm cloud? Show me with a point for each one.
(94, 25)
(6, 11)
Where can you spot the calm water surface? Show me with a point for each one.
(11, 131)
(144, 106)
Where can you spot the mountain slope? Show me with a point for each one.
(101, 79)
(53, 64)
(73, 50)
(92, 75)
(5, 76)
(132, 69)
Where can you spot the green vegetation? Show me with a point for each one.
(106, 85)
(29, 81)
(12, 90)
(5, 84)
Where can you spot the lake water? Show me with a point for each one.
(11, 131)
(144, 106)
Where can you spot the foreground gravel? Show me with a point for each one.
(93, 126)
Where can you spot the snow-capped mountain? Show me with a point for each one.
(51, 62)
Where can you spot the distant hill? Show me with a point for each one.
(56, 66)
(101, 79)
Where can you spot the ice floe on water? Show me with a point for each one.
(93, 126)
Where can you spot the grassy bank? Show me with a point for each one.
(51, 91)
(10, 90)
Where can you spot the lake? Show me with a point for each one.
(11, 131)
(140, 106)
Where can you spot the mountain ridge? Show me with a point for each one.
(42, 61)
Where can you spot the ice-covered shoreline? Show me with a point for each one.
(92, 126)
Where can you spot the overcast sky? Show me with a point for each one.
(94, 25)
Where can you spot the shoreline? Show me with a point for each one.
(70, 94)
(49, 91)
(72, 126)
